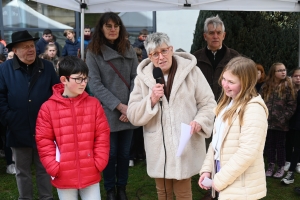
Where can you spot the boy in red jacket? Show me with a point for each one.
(72, 134)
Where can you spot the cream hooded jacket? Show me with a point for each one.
(242, 174)
(191, 99)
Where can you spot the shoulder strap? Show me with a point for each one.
(119, 74)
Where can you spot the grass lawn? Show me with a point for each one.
(141, 187)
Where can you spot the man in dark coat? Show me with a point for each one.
(44, 41)
(213, 58)
(139, 43)
(25, 84)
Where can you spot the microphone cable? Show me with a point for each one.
(163, 135)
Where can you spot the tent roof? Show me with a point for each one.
(100, 6)
(33, 18)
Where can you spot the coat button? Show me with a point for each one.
(29, 100)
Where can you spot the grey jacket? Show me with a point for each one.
(107, 86)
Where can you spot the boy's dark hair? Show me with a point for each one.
(144, 32)
(47, 31)
(72, 65)
(87, 26)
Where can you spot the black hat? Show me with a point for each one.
(20, 36)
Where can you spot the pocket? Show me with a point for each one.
(151, 126)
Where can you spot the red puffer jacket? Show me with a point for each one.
(81, 131)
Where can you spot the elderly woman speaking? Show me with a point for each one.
(185, 97)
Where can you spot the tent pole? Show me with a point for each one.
(83, 6)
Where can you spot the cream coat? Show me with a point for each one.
(242, 174)
(191, 99)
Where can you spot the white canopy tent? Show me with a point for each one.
(101, 6)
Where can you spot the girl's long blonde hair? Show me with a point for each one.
(271, 86)
(245, 69)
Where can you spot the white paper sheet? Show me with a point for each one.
(57, 156)
(207, 182)
(184, 138)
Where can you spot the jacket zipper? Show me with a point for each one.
(76, 142)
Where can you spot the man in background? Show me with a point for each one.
(214, 57)
(25, 84)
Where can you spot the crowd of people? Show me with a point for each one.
(76, 120)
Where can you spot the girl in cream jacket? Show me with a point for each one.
(234, 160)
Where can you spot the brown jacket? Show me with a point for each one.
(280, 109)
(212, 75)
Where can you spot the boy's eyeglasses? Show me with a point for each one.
(79, 80)
(109, 26)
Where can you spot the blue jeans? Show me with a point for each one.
(119, 155)
(91, 192)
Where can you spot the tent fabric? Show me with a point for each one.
(21, 12)
(100, 6)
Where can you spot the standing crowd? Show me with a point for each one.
(77, 120)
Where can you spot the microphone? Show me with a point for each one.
(158, 75)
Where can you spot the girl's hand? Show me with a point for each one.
(205, 174)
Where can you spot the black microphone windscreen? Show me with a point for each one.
(157, 74)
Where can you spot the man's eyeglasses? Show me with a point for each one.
(164, 52)
(79, 80)
(109, 26)
(281, 70)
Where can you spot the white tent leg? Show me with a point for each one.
(82, 32)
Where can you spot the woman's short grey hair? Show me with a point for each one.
(215, 21)
(155, 40)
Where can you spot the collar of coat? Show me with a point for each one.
(186, 62)
(227, 57)
(38, 62)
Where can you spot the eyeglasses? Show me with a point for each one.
(164, 52)
(281, 70)
(79, 80)
(109, 26)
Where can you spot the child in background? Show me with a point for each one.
(293, 136)
(72, 46)
(260, 76)
(87, 36)
(76, 122)
(279, 95)
(51, 51)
